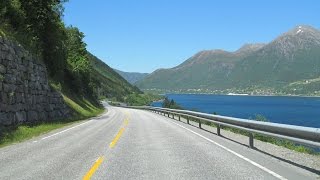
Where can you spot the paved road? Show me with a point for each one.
(134, 144)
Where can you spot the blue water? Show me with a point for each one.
(301, 111)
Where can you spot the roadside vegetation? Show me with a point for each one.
(25, 132)
(142, 99)
(136, 99)
(171, 104)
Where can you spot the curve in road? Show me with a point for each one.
(136, 144)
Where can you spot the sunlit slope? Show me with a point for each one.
(112, 84)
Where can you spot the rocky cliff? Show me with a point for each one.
(25, 95)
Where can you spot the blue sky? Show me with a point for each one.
(144, 35)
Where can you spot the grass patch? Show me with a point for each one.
(24, 132)
(82, 109)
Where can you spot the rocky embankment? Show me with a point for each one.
(25, 95)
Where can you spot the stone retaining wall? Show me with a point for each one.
(25, 95)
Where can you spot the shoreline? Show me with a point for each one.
(256, 95)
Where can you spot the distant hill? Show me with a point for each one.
(111, 83)
(293, 56)
(131, 77)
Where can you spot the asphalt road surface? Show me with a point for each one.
(136, 144)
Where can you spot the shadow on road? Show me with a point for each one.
(290, 162)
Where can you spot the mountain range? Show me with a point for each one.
(270, 68)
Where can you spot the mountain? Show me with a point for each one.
(202, 71)
(131, 77)
(293, 56)
(111, 83)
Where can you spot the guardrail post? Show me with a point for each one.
(187, 119)
(251, 140)
(172, 116)
(179, 117)
(199, 123)
(168, 114)
(218, 130)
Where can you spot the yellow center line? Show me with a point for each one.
(93, 168)
(112, 144)
(126, 122)
(115, 140)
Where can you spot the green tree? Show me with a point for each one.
(78, 70)
(166, 103)
(43, 19)
(77, 56)
(170, 104)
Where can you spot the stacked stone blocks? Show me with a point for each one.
(25, 95)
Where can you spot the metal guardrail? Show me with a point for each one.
(298, 134)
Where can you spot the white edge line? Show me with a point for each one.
(73, 127)
(239, 155)
(65, 130)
